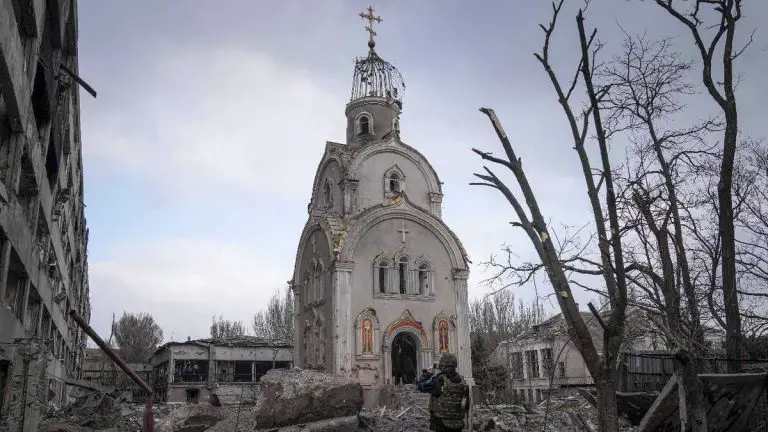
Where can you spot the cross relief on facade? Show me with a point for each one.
(403, 231)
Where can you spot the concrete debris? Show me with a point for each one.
(395, 420)
(193, 418)
(292, 396)
(300, 400)
(98, 411)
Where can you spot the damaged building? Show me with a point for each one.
(101, 371)
(545, 352)
(43, 235)
(230, 368)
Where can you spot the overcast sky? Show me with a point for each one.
(211, 118)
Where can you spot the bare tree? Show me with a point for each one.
(752, 247)
(276, 321)
(137, 336)
(718, 77)
(600, 185)
(658, 204)
(494, 319)
(222, 328)
(499, 317)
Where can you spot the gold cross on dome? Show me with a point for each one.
(371, 18)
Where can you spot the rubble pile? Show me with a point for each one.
(300, 400)
(92, 412)
(192, 418)
(395, 420)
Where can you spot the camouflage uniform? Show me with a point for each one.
(447, 390)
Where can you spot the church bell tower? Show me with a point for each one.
(373, 111)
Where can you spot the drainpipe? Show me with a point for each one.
(148, 421)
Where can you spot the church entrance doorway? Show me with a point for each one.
(404, 358)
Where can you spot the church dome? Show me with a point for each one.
(375, 77)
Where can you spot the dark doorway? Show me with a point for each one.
(193, 396)
(4, 368)
(404, 360)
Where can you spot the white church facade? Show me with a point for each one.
(380, 281)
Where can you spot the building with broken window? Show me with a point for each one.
(101, 371)
(229, 368)
(43, 235)
(546, 352)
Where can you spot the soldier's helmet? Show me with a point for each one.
(448, 360)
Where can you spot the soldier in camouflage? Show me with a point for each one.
(449, 396)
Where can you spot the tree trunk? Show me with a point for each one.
(608, 420)
(693, 409)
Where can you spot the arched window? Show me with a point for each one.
(367, 336)
(424, 279)
(403, 273)
(365, 125)
(394, 182)
(382, 275)
(442, 331)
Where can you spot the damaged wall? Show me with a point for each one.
(43, 235)
(191, 372)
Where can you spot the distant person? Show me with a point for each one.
(449, 400)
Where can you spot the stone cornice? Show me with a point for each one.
(371, 100)
(343, 266)
(460, 274)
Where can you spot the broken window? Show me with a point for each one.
(403, 273)
(41, 105)
(546, 356)
(261, 368)
(161, 373)
(27, 187)
(190, 370)
(52, 165)
(382, 268)
(365, 125)
(32, 315)
(14, 290)
(517, 365)
(532, 358)
(45, 324)
(234, 371)
(561, 368)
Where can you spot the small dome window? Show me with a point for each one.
(365, 125)
(394, 182)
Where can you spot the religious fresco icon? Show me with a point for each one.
(443, 336)
(367, 336)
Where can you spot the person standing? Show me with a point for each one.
(449, 396)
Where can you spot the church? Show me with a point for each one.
(380, 281)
